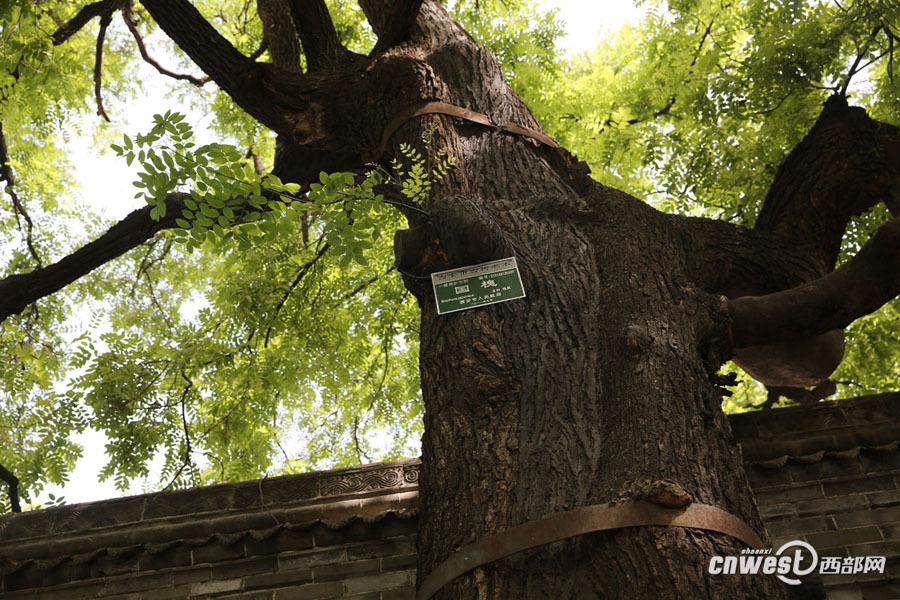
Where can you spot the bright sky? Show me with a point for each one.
(106, 185)
(585, 21)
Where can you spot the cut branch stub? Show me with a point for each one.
(834, 301)
(468, 234)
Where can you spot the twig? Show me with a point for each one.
(303, 271)
(359, 450)
(98, 64)
(778, 104)
(259, 51)
(287, 459)
(131, 23)
(702, 41)
(187, 434)
(856, 68)
(891, 38)
(386, 190)
(155, 300)
(387, 349)
(656, 114)
(365, 284)
(6, 174)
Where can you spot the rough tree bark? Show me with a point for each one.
(603, 380)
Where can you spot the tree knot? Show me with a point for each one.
(666, 492)
(637, 340)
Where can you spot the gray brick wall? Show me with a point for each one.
(828, 475)
(377, 569)
(348, 533)
(308, 574)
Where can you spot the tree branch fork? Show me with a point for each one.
(301, 106)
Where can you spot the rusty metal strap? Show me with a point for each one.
(442, 108)
(599, 517)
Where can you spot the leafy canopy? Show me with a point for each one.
(280, 338)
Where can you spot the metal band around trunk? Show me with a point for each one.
(442, 108)
(599, 517)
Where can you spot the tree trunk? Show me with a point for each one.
(597, 384)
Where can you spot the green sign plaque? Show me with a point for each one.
(478, 285)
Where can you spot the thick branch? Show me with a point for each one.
(13, 482)
(831, 302)
(399, 25)
(279, 34)
(845, 165)
(235, 73)
(18, 291)
(320, 41)
(83, 17)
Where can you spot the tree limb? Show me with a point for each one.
(845, 165)
(13, 482)
(20, 290)
(399, 25)
(831, 302)
(239, 76)
(279, 34)
(83, 17)
(316, 29)
(131, 23)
